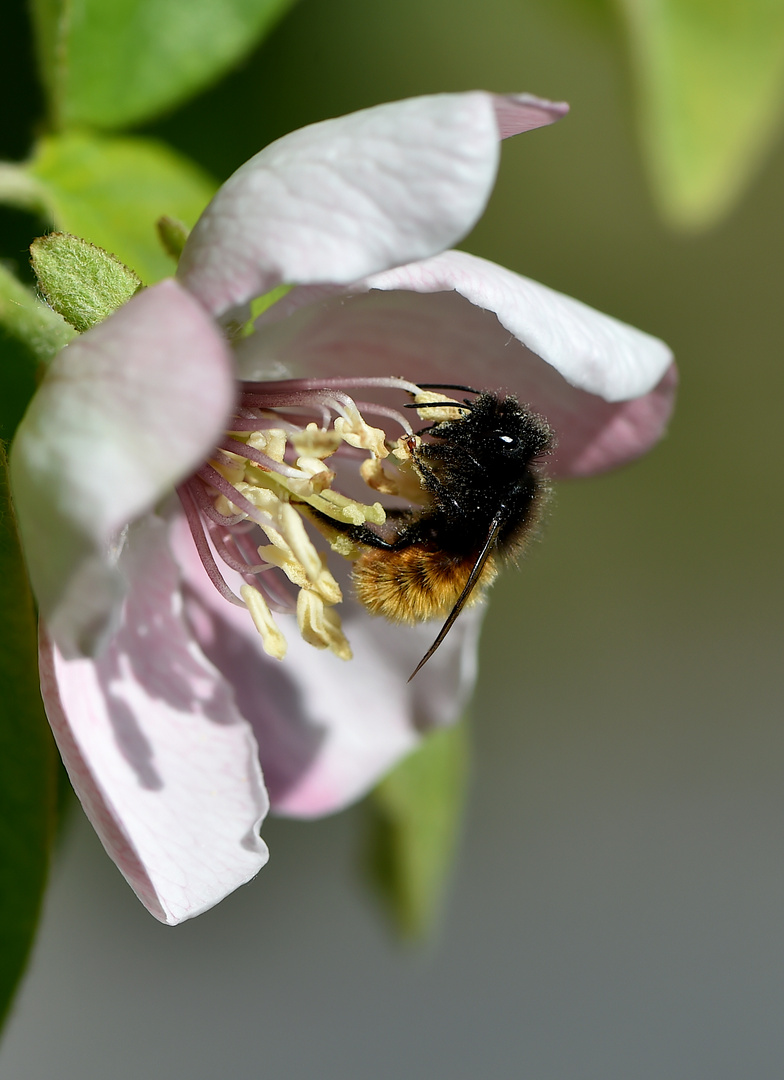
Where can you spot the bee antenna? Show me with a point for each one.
(439, 405)
(447, 386)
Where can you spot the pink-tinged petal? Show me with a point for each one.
(442, 337)
(125, 411)
(338, 200)
(592, 351)
(517, 113)
(328, 729)
(163, 763)
(596, 435)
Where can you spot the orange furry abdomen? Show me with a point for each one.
(416, 583)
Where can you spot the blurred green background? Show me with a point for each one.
(618, 906)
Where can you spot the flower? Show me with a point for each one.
(169, 716)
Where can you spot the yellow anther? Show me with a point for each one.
(230, 466)
(303, 550)
(282, 498)
(438, 416)
(315, 442)
(270, 441)
(326, 586)
(273, 642)
(320, 625)
(316, 477)
(228, 509)
(343, 546)
(320, 476)
(403, 481)
(354, 431)
(349, 511)
(293, 552)
(280, 555)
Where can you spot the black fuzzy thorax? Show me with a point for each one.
(484, 463)
(477, 470)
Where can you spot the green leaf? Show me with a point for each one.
(82, 282)
(594, 13)
(112, 191)
(18, 188)
(414, 824)
(30, 335)
(17, 383)
(111, 63)
(28, 778)
(710, 77)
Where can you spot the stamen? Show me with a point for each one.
(402, 482)
(207, 507)
(244, 420)
(383, 410)
(320, 625)
(275, 590)
(235, 497)
(436, 408)
(241, 565)
(273, 642)
(316, 442)
(261, 459)
(203, 547)
(275, 469)
(384, 382)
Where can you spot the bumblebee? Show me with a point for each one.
(481, 475)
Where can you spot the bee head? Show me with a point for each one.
(500, 432)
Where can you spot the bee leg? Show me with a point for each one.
(359, 534)
(433, 484)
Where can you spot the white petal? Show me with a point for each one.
(369, 716)
(125, 411)
(163, 763)
(448, 337)
(347, 197)
(328, 729)
(592, 351)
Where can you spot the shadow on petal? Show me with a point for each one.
(104, 821)
(266, 693)
(164, 764)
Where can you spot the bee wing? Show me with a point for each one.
(462, 599)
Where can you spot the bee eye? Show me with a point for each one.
(507, 440)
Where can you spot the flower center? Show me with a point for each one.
(286, 446)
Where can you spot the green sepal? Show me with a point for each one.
(81, 281)
(414, 817)
(257, 307)
(28, 776)
(112, 191)
(263, 303)
(172, 235)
